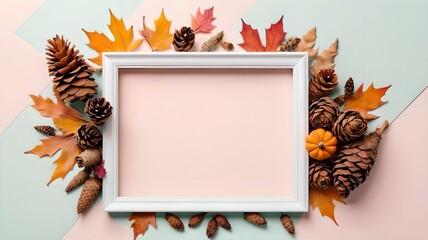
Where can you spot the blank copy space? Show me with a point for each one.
(206, 133)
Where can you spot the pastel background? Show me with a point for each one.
(381, 41)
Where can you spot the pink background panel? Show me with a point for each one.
(205, 133)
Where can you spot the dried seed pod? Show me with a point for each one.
(222, 221)
(79, 179)
(88, 158)
(90, 190)
(255, 218)
(174, 221)
(212, 43)
(227, 45)
(47, 130)
(290, 45)
(196, 219)
(287, 223)
(212, 228)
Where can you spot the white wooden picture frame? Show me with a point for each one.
(297, 62)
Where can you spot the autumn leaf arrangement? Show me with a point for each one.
(340, 150)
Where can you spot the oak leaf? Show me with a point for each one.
(323, 199)
(159, 39)
(202, 22)
(252, 42)
(307, 43)
(123, 39)
(326, 59)
(66, 160)
(142, 221)
(366, 101)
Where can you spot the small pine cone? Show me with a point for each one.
(47, 130)
(212, 43)
(320, 175)
(88, 136)
(90, 190)
(323, 113)
(98, 110)
(228, 46)
(290, 45)
(322, 83)
(77, 180)
(353, 164)
(350, 125)
(196, 219)
(349, 87)
(88, 158)
(255, 218)
(222, 221)
(287, 223)
(183, 39)
(174, 221)
(212, 228)
(72, 74)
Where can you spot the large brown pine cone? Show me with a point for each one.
(322, 83)
(72, 74)
(350, 125)
(353, 164)
(90, 190)
(183, 39)
(323, 113)
(98, 110)
(88, 136)
(320, 174)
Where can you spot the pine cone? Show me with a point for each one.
(323, 113)
(174, 221)
(320, 174)
(183, 39)
(287, 223)
(88, 136)
(289, 45)
(72, 75)
(77, 180)
(47, 130)
(255, 218)
(222, 221)
(350, 125)
(354, 162)
(211, 228)
(349, 87)
(196, 219)
(322, 83)
(90, 190)
(88, 158)
(98, 110)
(212, 43)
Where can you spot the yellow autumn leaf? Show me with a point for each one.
(323, 200)
(159, 39)
(123, 39)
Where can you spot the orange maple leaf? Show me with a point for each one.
(160, 39)
(323, 199)
(66, 160)
(252, 42)
(68, 120)
(366, 101)
(202, 23)
(142, 221)
(123, 39)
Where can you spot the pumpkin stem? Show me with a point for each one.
(321, 145)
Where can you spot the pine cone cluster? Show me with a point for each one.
(72, 74)
(183, 39)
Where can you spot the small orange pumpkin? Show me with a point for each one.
(321, 144)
